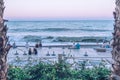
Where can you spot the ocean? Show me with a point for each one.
(91, 31)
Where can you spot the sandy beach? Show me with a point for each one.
(70, 54)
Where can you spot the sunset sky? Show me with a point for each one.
(58, 9)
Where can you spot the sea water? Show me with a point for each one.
(59, 31)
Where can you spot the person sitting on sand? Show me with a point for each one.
(30, 51)
(77, 46)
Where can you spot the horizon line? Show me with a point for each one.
(67, 20)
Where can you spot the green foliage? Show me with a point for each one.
(58, 71)
(16, 73)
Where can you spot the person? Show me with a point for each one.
(77, 46)
(40, 44)
(27, 45)
(36, 45)
(35, 51)
(29, 51)
(14, 45)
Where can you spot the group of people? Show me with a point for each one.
(37, 45)
(32, 51)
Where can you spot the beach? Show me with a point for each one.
(57, 37)
(69, 54)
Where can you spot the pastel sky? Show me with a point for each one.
(58, 9)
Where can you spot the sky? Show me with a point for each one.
(58, 9)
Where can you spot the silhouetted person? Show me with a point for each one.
(40, 44)
(36, 45)
(30, 51)
(35, 51)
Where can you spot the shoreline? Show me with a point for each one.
(83, 45)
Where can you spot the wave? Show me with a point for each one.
(95, 30)
(38, 30)
(81, 39)
(87, 26)
(25, 30)
(30, 38)
(56, 30)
